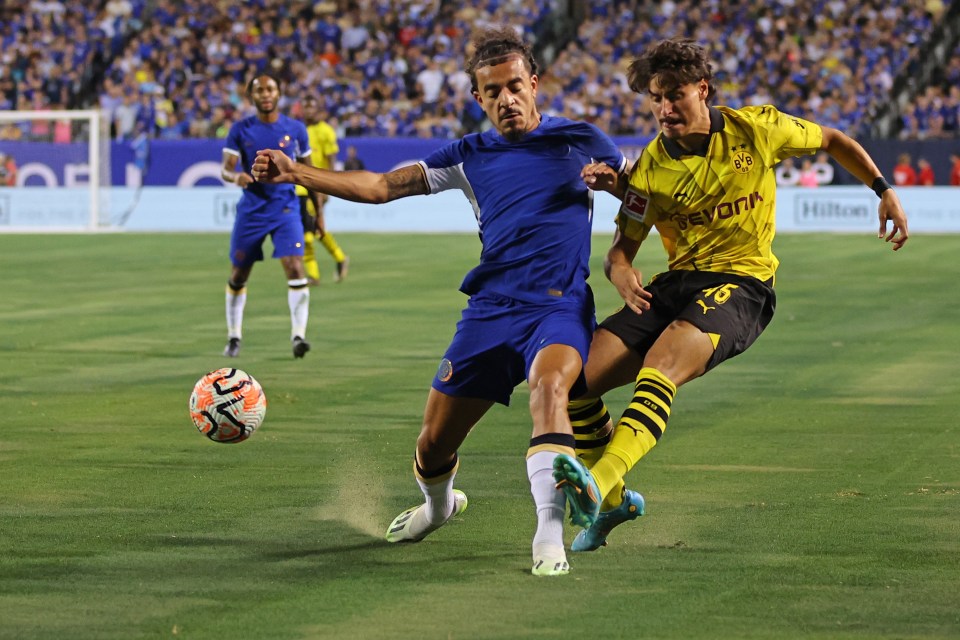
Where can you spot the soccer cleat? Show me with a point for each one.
(412, 525)
(232, 350)
(549, 560)
(300, 347)
(595, 536)
(342, 267)
(583, 494)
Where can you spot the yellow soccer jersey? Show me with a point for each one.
(323, 144)
(716, 212)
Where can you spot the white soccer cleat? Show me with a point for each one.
(413, 526)
(549, 560)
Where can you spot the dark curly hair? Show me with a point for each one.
(672, 62)
(262, 75)
(495, 45)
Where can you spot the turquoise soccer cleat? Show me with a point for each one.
(595, 536)
(583, 494)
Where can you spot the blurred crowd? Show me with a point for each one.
(175, 69)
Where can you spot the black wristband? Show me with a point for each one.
(880, 185)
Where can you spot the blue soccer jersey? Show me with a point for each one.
(248, 136)
(534, 211)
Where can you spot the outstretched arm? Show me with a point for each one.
(272, 166)
(855, 159)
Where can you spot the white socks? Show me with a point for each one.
(236, 300)
(438, 500)
(550, 501)
(298, 298)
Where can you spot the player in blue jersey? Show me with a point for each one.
(266, 210)
(530, 314)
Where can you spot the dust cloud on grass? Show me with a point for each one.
(358, 498)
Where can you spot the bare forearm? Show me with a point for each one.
(363, 186)
(621, 253)
(850, 155)
(357, 186)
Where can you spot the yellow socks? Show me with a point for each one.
(638, 430)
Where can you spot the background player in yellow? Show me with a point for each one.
(707, 183)
(323, 142)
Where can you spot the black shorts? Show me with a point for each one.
(737, 308)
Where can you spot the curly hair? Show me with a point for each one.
(262, 74)
(672, 62)
(494, 46)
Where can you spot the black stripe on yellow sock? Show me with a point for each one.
(587, 416)
(644, 419)
(584, 410)
(594, 443)
(656, 389)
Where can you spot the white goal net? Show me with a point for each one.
(54, 171)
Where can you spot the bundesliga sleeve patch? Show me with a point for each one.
(634, 206)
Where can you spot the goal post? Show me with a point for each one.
(54, 170)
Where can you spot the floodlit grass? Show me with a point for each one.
(807, 489)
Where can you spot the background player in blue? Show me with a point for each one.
(530, 314)
(265, 210)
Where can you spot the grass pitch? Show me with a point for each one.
(807, 489)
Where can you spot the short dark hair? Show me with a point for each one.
(672, 62)
(494, 46)
(262, 75)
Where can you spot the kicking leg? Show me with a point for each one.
(592, 428)
(446, 423)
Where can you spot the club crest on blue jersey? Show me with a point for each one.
(445, 371)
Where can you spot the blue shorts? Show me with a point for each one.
(249, 231)
(497, 339)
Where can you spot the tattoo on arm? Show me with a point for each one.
(406, 181)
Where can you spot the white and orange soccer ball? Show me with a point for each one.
(227, 405)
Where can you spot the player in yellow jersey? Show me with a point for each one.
(323, 142)
(706, 182)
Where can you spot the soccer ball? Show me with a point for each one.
(227, 405)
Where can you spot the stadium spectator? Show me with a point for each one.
(808, 175)
(353, 161)
(824, 168)
(125, 116)
(8, 170)
(835, 60)
(955, 170)
(265, 210)
(904, 175)
(530, 313)
(925, 177)
(787, 173)
(717, 295)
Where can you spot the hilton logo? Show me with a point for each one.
(848, 210)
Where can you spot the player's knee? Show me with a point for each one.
(549, 391)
